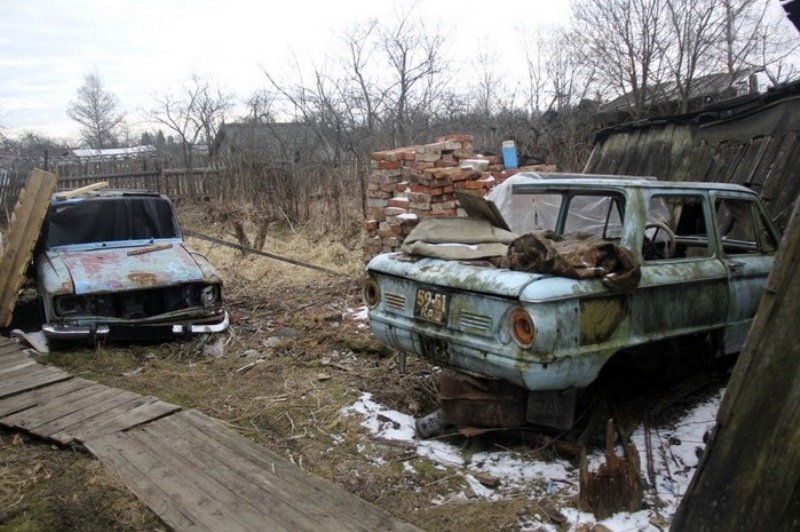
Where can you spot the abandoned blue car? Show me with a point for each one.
(525, 301)
(113, 264)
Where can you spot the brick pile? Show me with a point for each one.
(417, 182)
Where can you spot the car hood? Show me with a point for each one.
(119, 269)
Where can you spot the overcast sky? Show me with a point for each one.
(148, 47)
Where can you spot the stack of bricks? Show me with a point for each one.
(417, 182)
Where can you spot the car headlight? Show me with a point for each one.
(523, 330)
(209, 295)
(371, 292)
(70, 305)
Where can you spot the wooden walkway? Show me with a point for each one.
(192, 471)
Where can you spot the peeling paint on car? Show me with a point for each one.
(581, 323)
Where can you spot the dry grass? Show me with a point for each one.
(288, 323)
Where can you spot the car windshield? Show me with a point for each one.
(111, 219)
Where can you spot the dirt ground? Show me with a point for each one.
(295, 355)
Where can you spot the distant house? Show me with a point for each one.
(665, 98)
(133, 152)
(273, 144)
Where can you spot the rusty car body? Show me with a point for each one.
(524, 339)
(113, 264)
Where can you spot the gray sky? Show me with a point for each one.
(149, 47)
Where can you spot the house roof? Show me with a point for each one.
(112, 153)
(709, 85)
(284, 141)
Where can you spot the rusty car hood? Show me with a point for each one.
(127, 268)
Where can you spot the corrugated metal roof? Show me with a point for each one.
(752, 141)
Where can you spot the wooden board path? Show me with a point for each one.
(190, 469)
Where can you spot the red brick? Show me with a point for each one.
(398, 202)
(389, 165)
(371, 225)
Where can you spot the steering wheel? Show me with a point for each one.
(661, 226)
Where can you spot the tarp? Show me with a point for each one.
(457, 239)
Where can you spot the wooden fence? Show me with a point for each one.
(183, 183)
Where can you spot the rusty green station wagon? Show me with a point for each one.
(526, 301)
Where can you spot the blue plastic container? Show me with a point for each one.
(509, 154)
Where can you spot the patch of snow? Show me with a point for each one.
(674, 459)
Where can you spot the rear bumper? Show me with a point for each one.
(77, 333)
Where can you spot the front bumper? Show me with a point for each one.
(76, 333)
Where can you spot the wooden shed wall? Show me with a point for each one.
(754, 144)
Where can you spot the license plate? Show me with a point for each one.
(431, 306)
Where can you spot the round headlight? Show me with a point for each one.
(371, 292)
(522, 327)
(70, 305)
(209, 295)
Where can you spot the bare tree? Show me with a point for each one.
(260, 106)
(415, 59)
(696, 26)
(96, 110)
(757, 36)
(622, 41)
(194, 114)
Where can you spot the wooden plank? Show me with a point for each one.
(116, 402)
(30, 378)
(144, 410)
(43, 413)
(121, 455)
(176, 454)
(67, 194)
(8, 346)
(261, 489)
(316, 493)
(52, 392)
(15, 360)
(140, 463)
(22, 236)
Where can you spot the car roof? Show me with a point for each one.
(598, 181)
(103, 194)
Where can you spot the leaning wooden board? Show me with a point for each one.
(23, 232)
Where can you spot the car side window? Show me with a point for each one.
(676, 228)
(596, 216)
(742, 227)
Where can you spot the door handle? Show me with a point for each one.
(735, 267)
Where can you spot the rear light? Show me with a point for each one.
(522, 327)
(371, 292)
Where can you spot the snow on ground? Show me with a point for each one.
(666, 472)
(674, 459)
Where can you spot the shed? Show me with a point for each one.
(750, 140)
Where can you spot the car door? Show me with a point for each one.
(748, 244)
(684, 286)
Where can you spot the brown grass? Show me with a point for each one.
(280, 402)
